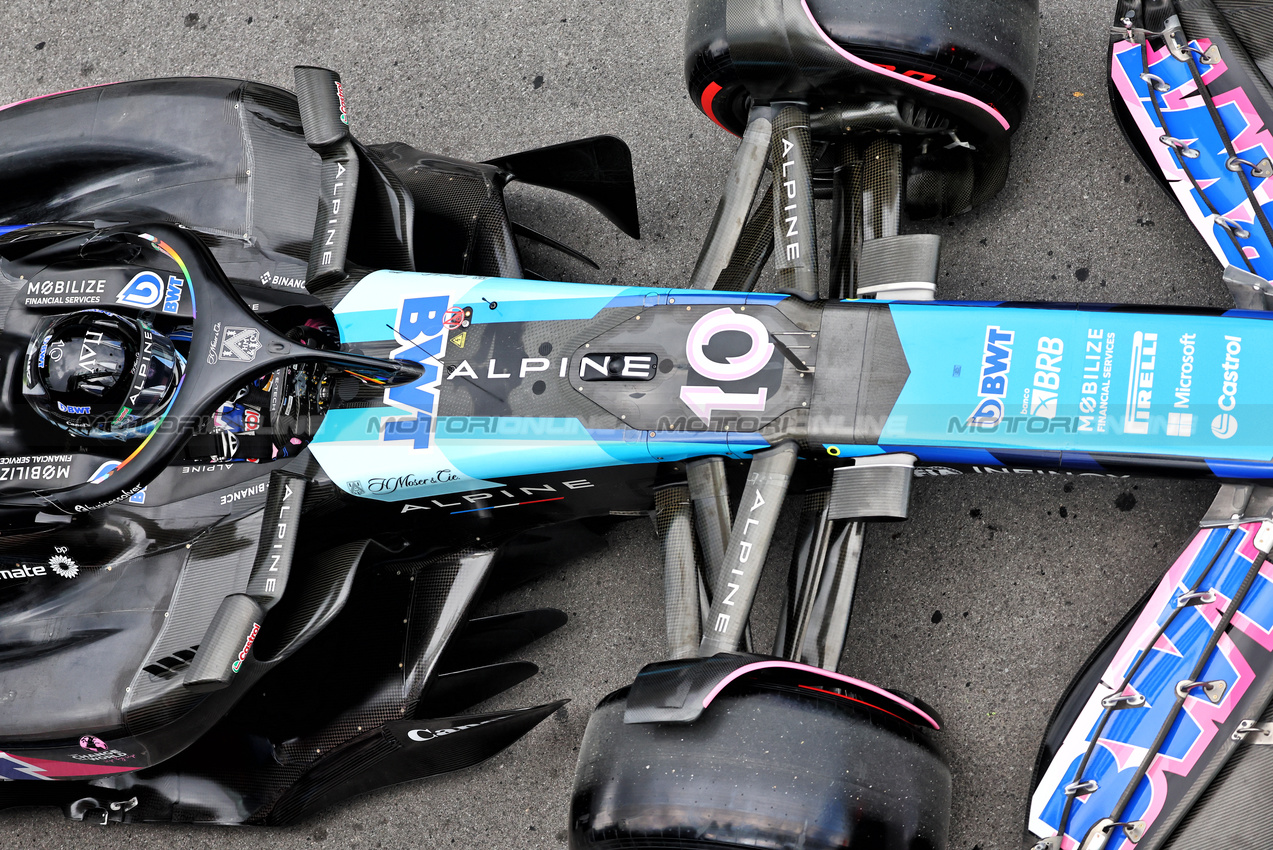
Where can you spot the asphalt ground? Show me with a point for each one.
(985, 602)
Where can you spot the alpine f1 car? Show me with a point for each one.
(280, 408)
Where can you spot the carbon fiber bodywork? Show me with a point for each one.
(193, 617)
(279, 637)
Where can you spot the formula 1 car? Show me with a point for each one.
(250, 446)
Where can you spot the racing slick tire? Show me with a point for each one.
(963, 68)
(763, 767)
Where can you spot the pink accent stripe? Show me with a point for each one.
(826, 674)
(64, 769)
(862, 63)
(53, 94)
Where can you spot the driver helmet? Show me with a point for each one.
(100, 374)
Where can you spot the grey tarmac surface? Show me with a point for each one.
(985, 602)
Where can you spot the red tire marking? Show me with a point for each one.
(855, 699)
(709, 94)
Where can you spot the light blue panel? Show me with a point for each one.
(850, 450)
(1121, 382)
(386, 290)
(943, 454)
(366, 325)
(353, 425)
(490, 447)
